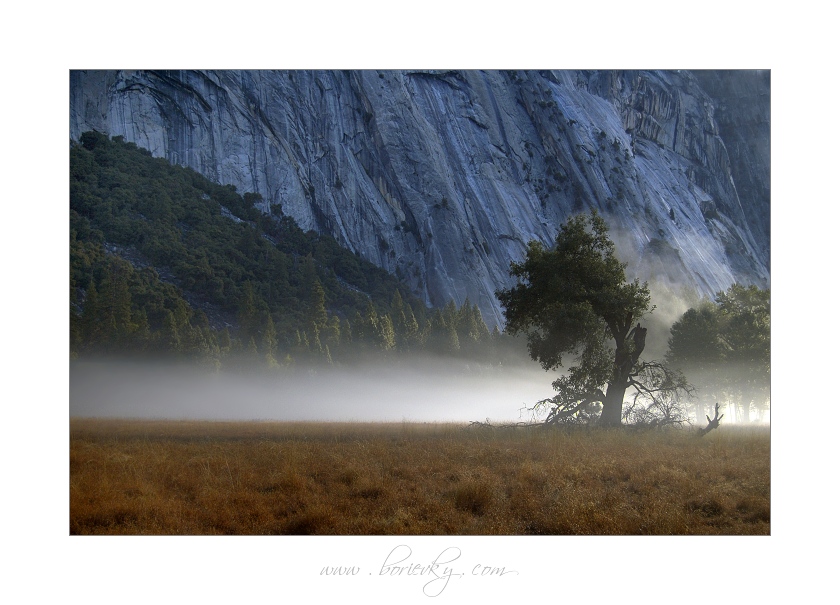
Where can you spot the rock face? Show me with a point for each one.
(443, 177)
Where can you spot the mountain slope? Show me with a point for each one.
(163, 260)
(442, 177)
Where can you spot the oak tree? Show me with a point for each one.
(574, 299)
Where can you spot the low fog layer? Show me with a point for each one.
(428, 392)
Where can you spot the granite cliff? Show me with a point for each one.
(442, 177)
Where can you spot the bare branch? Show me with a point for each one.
(713, 422)
(659, 398)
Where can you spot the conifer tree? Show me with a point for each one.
(91, 328)
(224, 341)
(366, 328)
(252, 351)
(387, 338)
(269, 338)
(171, 336)
(115, 301)
(317, 310)
(315, 346)
(247, 315)
(142, 330)
(332, 333)
(468, 333)
(443, 335)
(410, 330)
(346, 333)
(450, 314)
(397, 304)
(483, 332)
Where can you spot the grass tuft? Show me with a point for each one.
(474, 497)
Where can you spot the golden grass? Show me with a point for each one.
(167, 477)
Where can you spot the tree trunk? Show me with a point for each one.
(745, 407)
(613, 402)
(628, 347)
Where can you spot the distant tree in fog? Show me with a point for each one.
(695, 347)
(745, 333)
(724, 348)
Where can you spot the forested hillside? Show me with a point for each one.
(164, 262)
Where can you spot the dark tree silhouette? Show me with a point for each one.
(574, 299)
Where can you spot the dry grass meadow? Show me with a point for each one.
(171, 477)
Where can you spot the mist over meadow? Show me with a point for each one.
(417, 388)
(431, 390)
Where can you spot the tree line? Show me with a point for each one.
(164, 262)
(723, 347)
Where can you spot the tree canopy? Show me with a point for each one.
(724, 348)
(574, 299)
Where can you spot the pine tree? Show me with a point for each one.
(252, 351)
(397, 304)
(195, 342)
(171, 336)
(453, 344)
(366, 327)
(317, 310)
(91, 328)
(224, 341)
(467, 327)
(142, 334)
(386, 336)
(346, 333)
(332, 333)
(483, 331)
(268, 341)
(115, 301)
(450, 313)
(315, 341)
(399, 321)
(247, 314)
(308, 272)
(443, 336)
(411, 337)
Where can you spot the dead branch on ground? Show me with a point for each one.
(713, 422)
